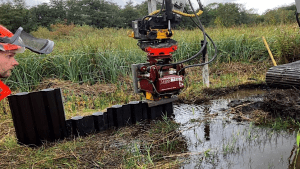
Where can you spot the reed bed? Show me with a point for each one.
(86, 54)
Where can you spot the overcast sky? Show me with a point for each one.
(260, 6)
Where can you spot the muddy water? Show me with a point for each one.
(217, 141)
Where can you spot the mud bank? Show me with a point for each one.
(214, 94)
(283, 103)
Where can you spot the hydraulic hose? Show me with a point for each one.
(162, 7)
(297, 18)
(214, 57)
(200, 26)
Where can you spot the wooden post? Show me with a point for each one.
(270, 53)
(205, 70)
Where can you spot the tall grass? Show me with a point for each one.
(86, 54)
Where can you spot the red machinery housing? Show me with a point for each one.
(154, 79)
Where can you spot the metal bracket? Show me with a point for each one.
(134, 69)
(160, 102)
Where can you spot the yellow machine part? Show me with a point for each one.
(130, 33)
(180, 13)
(149, 96)
(163, 33)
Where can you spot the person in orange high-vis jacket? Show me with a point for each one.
(7, 53)
(10, 44)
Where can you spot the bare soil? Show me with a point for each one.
(214, 94)
(282, 103)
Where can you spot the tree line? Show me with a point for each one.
(104, 13)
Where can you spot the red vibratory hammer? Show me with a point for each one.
(159, 79)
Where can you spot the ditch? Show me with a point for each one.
(226, 132)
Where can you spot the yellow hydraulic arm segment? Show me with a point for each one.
(179, 12)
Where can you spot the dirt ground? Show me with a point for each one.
(214, 94)
(276, 103)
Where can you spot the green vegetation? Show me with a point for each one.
(281, 123)
(87, 55)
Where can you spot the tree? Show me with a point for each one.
(14, 15)
(58, 8)
(101, 13)
(129, 13)
(75, 12)
(43, 15)
(209, 14)
(229, 14)
(142, 8)
(279, 16)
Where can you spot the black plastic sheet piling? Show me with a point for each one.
(82, 126)
(111, 120)
(77, 126)
(115, 116)
(155, 112)
(105, 121)
(127, 120)
(168, 109)
(151, 113)
(119, 115)
(136, 111)
(88, 126)
(144, 110)
(284, 76)
(23, 119)
(40, 116)
(159, 111)
(52, 113)
(69, 128)
(61, 112)
(17, 118)
(98, 121)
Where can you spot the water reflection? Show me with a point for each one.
(206, 125)
(225, 143)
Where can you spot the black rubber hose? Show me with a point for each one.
(202, 48)
(162, 7)
(214, 57)
(297, 18)
(168, 11)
